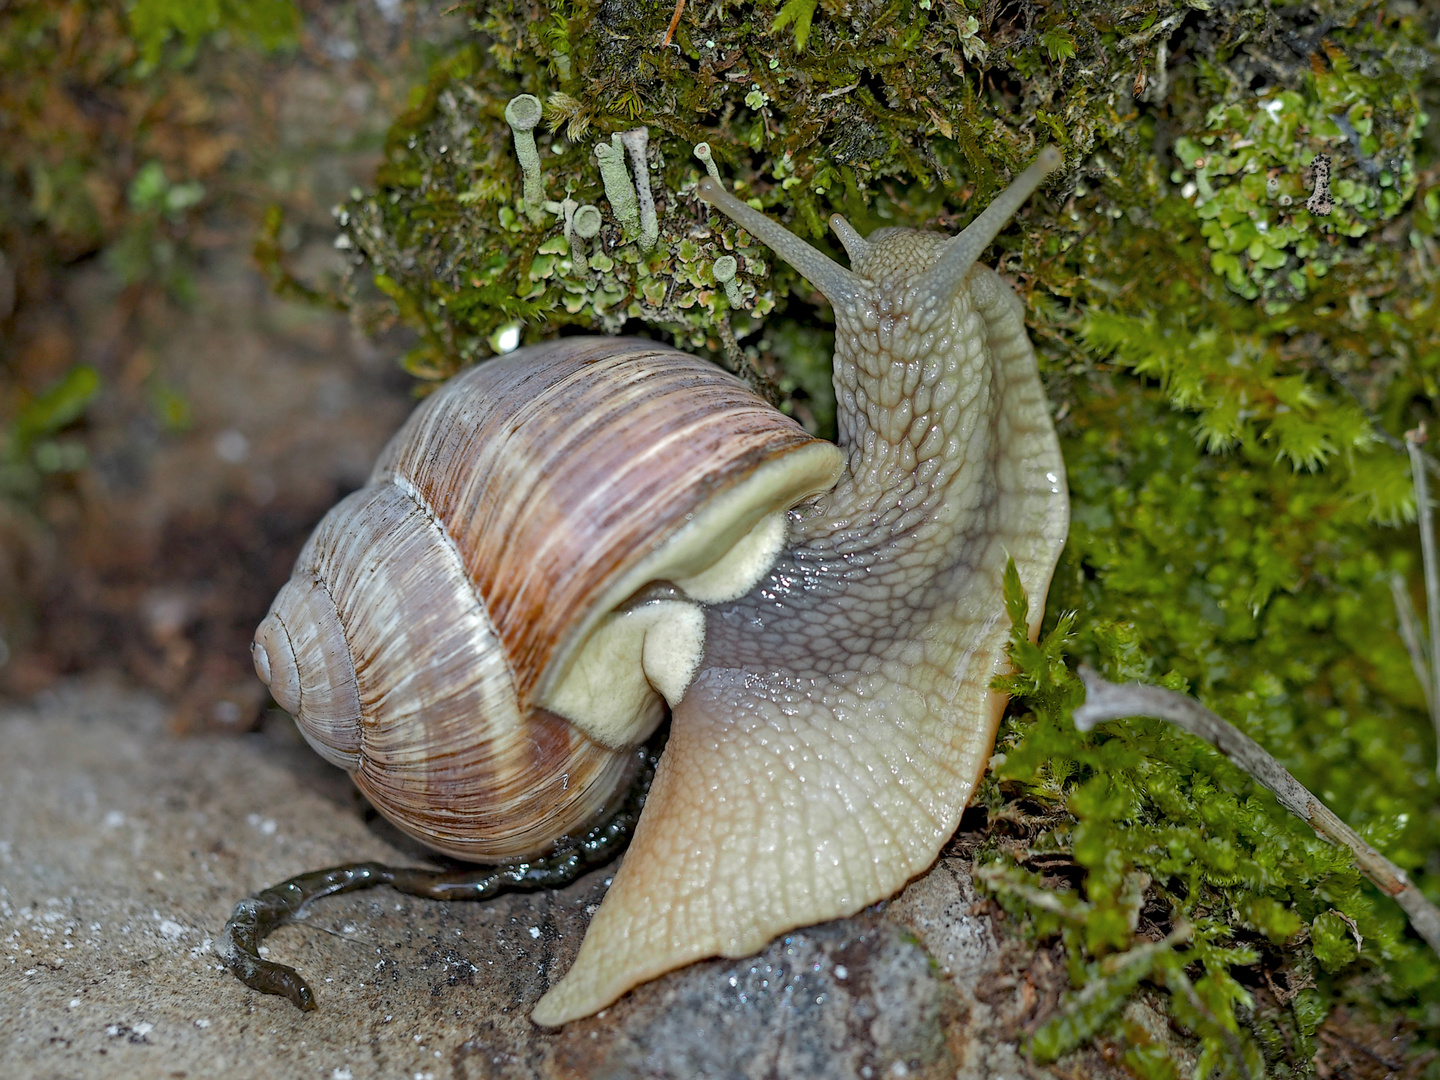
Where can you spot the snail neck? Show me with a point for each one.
(952, 466)
(920, 407)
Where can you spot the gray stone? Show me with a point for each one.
(123, 849)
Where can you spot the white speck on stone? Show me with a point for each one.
(202, 1023)
(142, 1029)
(114, 819)
(232, 446)
(170, 929)
(842, 972)
(535, 932)
(74, 1003)
(342, 1073)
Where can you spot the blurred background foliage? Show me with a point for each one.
(1231, 362)
(106, 139)
(152, 394)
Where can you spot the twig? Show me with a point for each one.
(1105, 700)
(1425, 513)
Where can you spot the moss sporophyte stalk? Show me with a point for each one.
(1231, 367)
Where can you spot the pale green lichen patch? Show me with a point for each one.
(1249, 175)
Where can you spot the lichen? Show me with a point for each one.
(1231, 370)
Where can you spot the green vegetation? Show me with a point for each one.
(271, 24)
(105, 140)
(31, 445)
(1230, 370)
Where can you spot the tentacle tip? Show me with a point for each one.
(1050, 159)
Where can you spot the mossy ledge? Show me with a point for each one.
(1231, 371)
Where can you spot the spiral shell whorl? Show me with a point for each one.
(301, 654)
(433, 615)
(382, 578)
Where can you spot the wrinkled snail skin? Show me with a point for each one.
(841, 715)
(562, 542)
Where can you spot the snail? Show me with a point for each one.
(565, 543)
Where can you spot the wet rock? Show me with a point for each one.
(848, 999)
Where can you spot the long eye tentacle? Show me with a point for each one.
(942, 281)
(838, 285)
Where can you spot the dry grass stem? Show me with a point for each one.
(1424, 512)
(1105, 700)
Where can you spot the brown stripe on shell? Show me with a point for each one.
(559, 468)
(445, 751)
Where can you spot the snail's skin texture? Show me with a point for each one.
(842, 713)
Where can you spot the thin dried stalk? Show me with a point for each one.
(1410, 634)
(1425, 512)
(1105, 700)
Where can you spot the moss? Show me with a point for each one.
(1230, 370)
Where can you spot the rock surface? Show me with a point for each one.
(123, 849)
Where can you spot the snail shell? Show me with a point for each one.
(594, 528)
(479, 573)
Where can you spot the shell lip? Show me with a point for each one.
(786, 478)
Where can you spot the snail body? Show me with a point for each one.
(563, 542)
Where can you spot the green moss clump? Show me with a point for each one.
(1231, 372)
